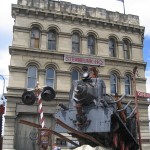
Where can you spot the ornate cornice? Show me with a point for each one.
(80, 14)
(82, 11)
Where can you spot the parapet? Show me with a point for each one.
(80, 11)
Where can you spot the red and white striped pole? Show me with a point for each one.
(40, 106)
(40, 110)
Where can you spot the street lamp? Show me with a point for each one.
(3, 86)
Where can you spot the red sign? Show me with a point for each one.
(143, 94)
(84, 60)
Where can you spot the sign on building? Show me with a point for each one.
(143, 94)
(84, 60)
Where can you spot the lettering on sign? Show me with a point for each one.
(84, 60)
(143, 94)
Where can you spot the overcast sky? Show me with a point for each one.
(135, 7)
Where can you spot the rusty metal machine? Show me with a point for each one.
(100, 118)
(92, 116)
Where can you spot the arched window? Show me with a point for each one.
(91, 44)
(127, 84)
(75, 43)
(32, 77)
(35, 38)
(75, 75)
(50, 77)
(126, 49)
(112, 47)
(52, 39)
(113, 83)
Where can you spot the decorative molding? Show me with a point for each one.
(78, 13)
(17, 69)
(21, 29)
(63, 73)
(123, 62)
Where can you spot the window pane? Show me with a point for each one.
(91, 44)
(32, 43)
(32, 72)
(91, 40)
(50, 82)
(91, 50)
(52, 40)
(35, 33)
(113, 89)
(75, 38)
(112, 48)
(31, 82)
(113, 79)
(36, 43)
(127, 89)
(75, 43)
(125, 55)
(126, 48)
(52, 35)
(75, 47)
(125, 45)
(32, 77)
(127, 80)
(127, 85)
(51, 45)
(50, 73)
(75, 75)
(35, 37)
(50, 76)
(113, 83)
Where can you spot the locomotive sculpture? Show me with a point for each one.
(92, 116)
(94, 113)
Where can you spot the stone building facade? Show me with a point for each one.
(52, 40)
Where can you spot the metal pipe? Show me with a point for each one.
(51, 131)
(124, 107)
(131, 113)
(78, 133)
(120, 99)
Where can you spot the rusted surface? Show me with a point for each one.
(83, 135)
(119, 105)
(29, 123)
(135, 72)
(51, 131)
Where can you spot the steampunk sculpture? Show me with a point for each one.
(96, 118)
(92, 116)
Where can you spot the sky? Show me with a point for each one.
(135, 7)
